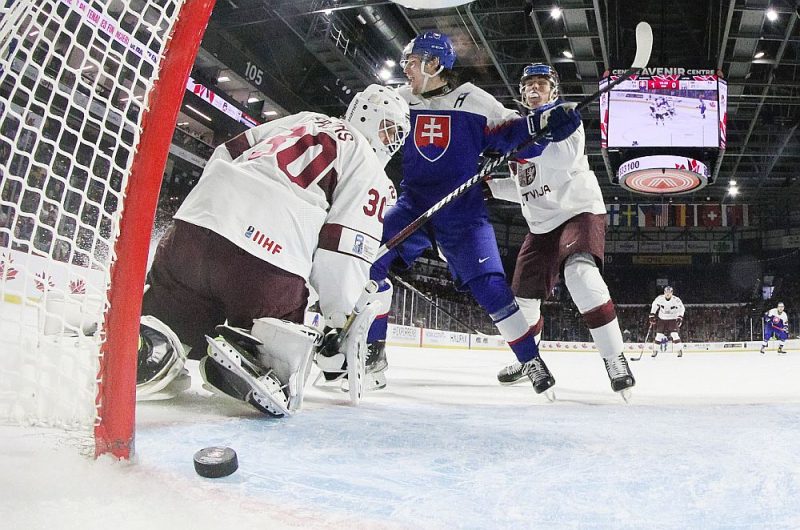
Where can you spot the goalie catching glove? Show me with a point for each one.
(560, 120)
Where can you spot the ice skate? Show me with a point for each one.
(266, 391)
(763, 350)
(781, 350)
(619, 373)
(680, 352)
(223, 382)
(376, 357)
(511, 374)
(540, 376)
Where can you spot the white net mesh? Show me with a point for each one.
(75, 77)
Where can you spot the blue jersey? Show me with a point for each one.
(448, 134)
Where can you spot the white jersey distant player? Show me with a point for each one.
(666, 314)
(667, 306)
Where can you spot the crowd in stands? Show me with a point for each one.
(717, 310)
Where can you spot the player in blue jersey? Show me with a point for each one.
(452, 124)
(776, 324)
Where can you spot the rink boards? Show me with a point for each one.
(429, 338)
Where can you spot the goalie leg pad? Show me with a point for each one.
(287, 348)
(160, 372)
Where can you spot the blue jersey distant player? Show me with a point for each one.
(451, 125)
(776, 324)
(702, 107)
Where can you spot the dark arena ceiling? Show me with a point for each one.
(314, 54)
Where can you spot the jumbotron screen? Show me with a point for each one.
(664, 107)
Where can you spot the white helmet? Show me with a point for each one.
(381, 115)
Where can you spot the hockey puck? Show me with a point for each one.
(215, 462)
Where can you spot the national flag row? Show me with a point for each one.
(680, 215)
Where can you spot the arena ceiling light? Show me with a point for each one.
(567, 54)
(758, 55)
(772, 15)
(205, 116)
(391, 63)
(385, 74)
(555, 13)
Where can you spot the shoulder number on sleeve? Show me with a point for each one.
(376, 203)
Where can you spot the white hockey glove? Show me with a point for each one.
(560, 120)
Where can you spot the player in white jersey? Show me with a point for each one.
(563, 205)
(776, 324)
(292, 203)
(666, 314)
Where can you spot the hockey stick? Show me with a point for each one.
(644, 45)
(644, 344)
(395, 278)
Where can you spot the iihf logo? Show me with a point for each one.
(358, 246)
(249, 232)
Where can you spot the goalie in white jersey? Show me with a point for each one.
(563, 205)
(666, 314)
(292, 203)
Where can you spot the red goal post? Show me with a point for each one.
(89, 97)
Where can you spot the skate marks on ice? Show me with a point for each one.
(445, 446)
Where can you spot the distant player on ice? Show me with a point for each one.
(702, 107)
(776, 324)
(666, 314)
(563, 205)
(292, 203)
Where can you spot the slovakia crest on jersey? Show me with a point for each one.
(432, 135)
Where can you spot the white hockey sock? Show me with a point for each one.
(608, 339)
(513, 327)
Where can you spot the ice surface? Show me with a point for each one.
(709, 441)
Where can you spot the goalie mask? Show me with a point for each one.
(381, 115)
(538, 70)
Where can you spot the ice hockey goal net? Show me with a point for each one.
(89, 95)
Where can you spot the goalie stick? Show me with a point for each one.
(644, 45)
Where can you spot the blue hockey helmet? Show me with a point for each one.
(540, 70)
(431, 44)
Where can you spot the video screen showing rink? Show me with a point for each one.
(665, 107)
(658, 120)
